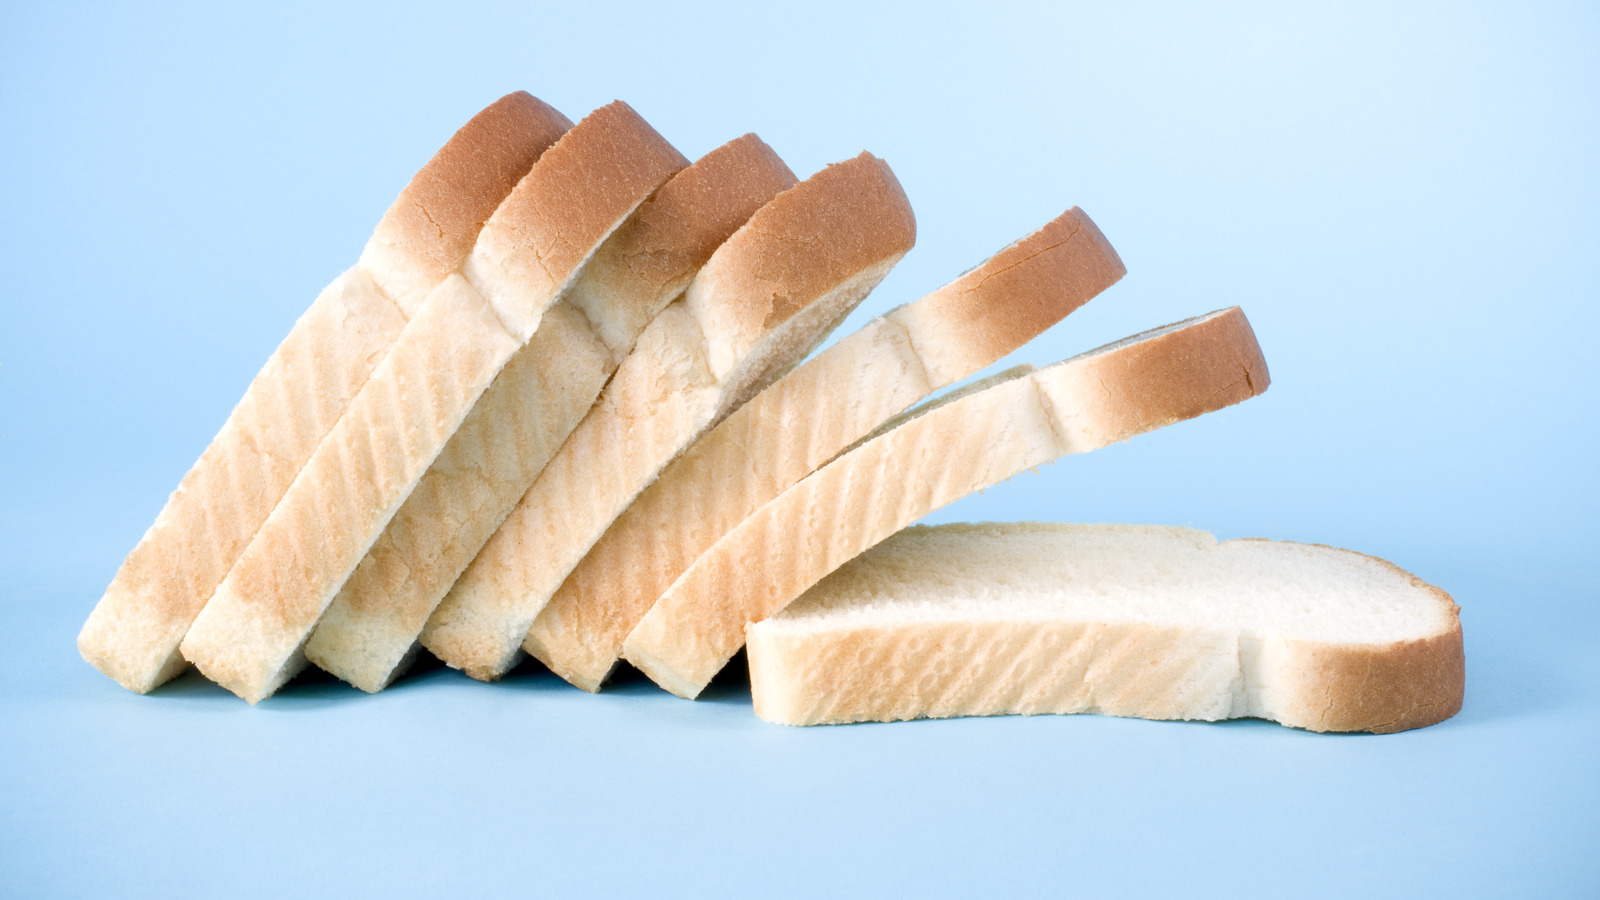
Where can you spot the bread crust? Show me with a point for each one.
(249, 636)
(1013, 297)
(1384, 688)
(837, 670)
(853, 213)
(596, 176)
(1149, 380)
(433, 224)
(930, 460)
(663, 246)
(813, 413)
(134, 631)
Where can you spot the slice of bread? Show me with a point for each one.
(765, 298)
(369, 631)
(805, 419)
(1125, 620)
(133, 633)
(931, 457)
(249, 636)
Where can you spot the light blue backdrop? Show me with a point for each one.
(1402, 199)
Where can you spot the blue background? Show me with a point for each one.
(1404, 201)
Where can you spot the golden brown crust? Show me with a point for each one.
(1381, 688)
(1012, 298)
(1150, 380)
(658, 251)
(854, 212)
(445, 205)
(678, 229)
(433, 224)
(580, 190)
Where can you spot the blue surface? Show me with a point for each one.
(1403, 201)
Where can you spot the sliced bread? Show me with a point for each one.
(370, 630)
(765, 298)
(1125, 620)
(927, 459)
(249, 636)
(134, 632)
(805, 419)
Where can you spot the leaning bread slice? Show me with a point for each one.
(805, 419)
(133, 633)
(368, 633)
(764, 299)
(932, 457)
(1125, 620)
(250, 635)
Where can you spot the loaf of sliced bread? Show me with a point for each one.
(765, 298)
(1125, 620)
(927, 459)
(250, 635)
(370, 630)
(134, 632)
(805, 419)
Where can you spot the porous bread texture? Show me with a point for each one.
(937, 455)
(765, 298)
(249, 637)
(812, 414)
(369, 632)
(1146, 621)
(134, 632)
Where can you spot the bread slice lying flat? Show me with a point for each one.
(928, 459)
(133, 633)
(765, 298)
(1125, 620)
(250, 635)
(370, 630)
(805, 419)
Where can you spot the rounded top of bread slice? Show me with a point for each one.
(576, 195)
(1123, 573)
(657, 252)
(800, 264)
(432, 225)
(1011, 298)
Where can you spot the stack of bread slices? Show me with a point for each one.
(558, 408)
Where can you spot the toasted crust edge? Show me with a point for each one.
(431, 227)
(1011, 298)
(1381, 688)
(751, 285)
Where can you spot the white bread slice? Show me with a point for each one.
(369, 632)
(133, 633)
(927, 459)
(1125, 620)
(250, 634)
(805, 419)
(764, 299)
